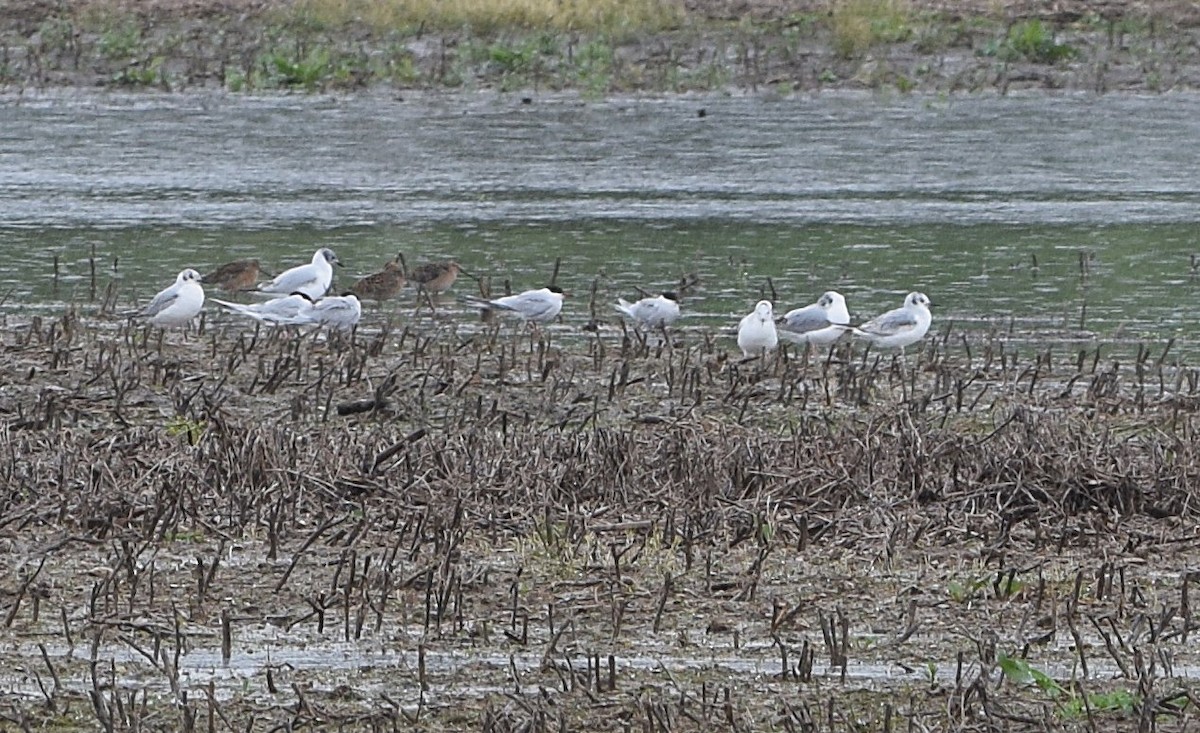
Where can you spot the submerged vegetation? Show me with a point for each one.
(598, 46)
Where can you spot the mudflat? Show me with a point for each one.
(492, 530)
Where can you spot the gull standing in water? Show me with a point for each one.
(650, 313)
(533, 306)
(900, 327)
(312, 279)
(178, 304)
(274, 312)
(756, 332)
(818, 324)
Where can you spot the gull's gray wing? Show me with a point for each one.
(297, 278)
(535, 305)
(332, 307)
(890, 323)
(643, 310)
(806, 319)
(527, 302)
(288, 307)
(649, 309)
(161, 302)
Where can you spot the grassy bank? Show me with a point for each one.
(601, 47)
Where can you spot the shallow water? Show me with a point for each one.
(871, 195)
(476, 672)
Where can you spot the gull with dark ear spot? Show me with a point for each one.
(274, 312)
(382, 285)
(648, 313)
(178, 304)
(534, 306)
(756, 332)
(312, 279)
(233, 276)
(819, 324)
(900, 327)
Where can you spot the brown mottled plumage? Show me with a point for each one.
(233, 276)
(436, 277)
(381, 285)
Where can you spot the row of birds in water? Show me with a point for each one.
(297, 297)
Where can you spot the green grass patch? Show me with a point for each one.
(189, 430)
(1030, 40)
(1033, 40)
(594, 66)
(1118, 701)
(121, 40)
(56, 34)
(1019, 671)
(142, 75)
(307, 71)
(487, 16)
(860, 24)
(1070, 705)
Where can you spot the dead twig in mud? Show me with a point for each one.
(16, 604)
(99, 704)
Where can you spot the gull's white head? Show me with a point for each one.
(831, 298)
(327, 255)
(917, 300)
(764, 309)
(188, 274)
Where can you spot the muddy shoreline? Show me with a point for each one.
(765, 47)
(588, 532)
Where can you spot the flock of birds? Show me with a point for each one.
(298, 297)
(824, 322)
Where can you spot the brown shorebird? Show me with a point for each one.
(436, 277)
(233, 276)
(381, 285)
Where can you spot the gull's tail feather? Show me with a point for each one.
(474, 301)
(484, 304)
(238, 307)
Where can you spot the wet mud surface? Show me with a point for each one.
(450, 525)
